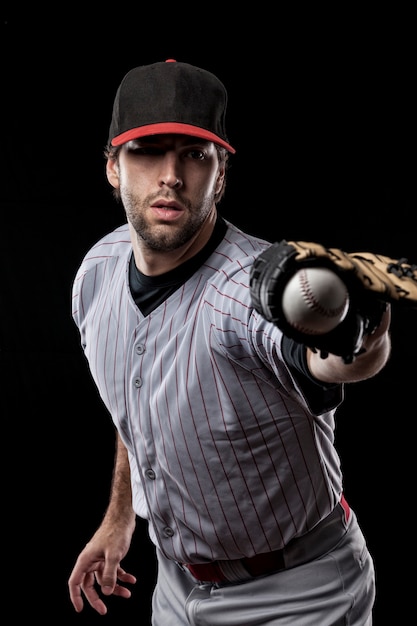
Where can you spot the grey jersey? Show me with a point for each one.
(226, 459)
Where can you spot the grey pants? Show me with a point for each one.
(336, 589)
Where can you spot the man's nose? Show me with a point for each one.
(170, 173)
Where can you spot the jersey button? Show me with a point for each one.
(138, 382)
(150, 474)
(140, 348)
(168, 532)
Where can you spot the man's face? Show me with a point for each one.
(167, 184)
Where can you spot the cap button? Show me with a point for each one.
(171, 61)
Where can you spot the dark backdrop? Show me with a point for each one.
(322, 113)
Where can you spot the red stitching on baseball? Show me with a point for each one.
(310, 299)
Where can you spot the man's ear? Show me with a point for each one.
(112, 172)
(220, 179)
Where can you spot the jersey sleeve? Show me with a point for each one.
(319, 396)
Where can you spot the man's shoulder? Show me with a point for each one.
(119, 237)
(238, 243)
(117, 243)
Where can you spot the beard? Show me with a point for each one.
(166, 237)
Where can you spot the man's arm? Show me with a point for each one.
(119, 510)
(100, 561)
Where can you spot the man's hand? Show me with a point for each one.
(99, 566)
(374, 353)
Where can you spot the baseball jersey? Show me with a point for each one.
(227, 458)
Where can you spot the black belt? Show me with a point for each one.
(260, 564)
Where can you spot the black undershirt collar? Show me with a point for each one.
(150, 291)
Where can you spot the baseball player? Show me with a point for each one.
(224, 422)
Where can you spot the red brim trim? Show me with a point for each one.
(168, 128)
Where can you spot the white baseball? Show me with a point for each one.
(315, 300)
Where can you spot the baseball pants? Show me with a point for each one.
(335, 589)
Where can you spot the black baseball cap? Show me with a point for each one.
(170, 97)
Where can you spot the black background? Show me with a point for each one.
(322, 114)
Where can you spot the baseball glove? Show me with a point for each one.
(373, 282)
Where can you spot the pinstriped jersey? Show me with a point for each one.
(227, 460)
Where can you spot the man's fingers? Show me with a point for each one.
(90, 585)
(125, 577)
(108, 588)
(108, 581)
(76, 598)
(87, 588)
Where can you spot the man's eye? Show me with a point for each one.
(146, 150)
(198, 155)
